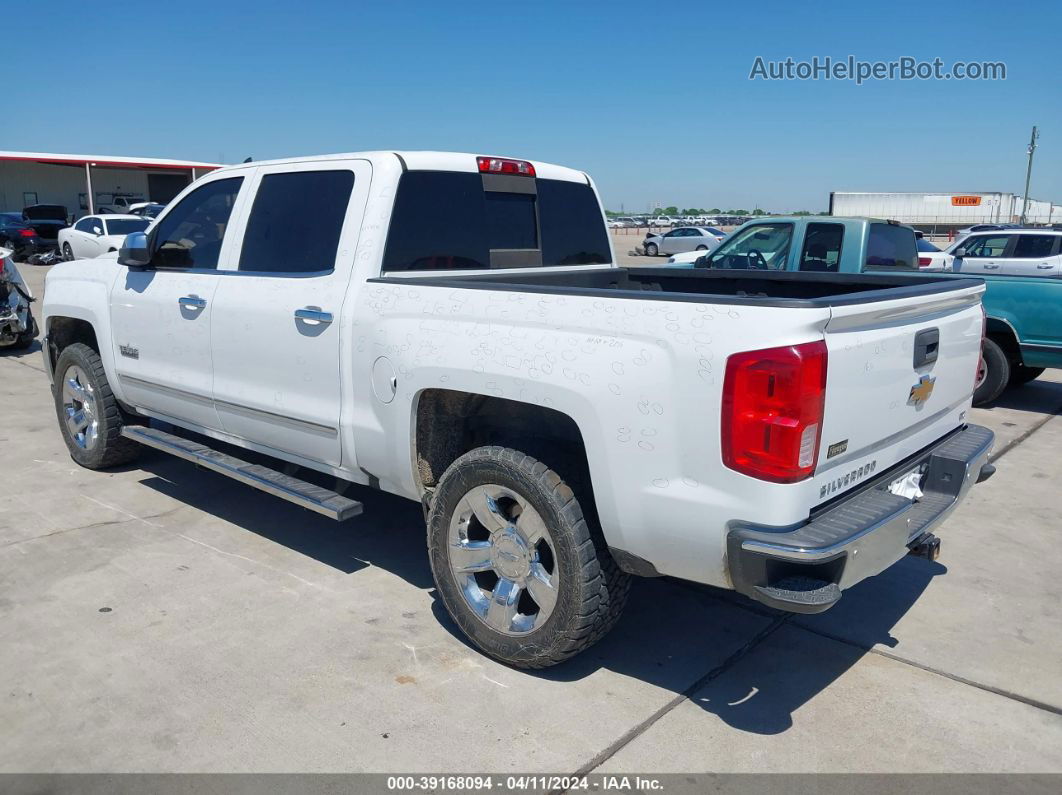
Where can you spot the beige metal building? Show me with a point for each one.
(83, 183)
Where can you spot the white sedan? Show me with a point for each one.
(684, 238)
(931, 258)
(97, 234)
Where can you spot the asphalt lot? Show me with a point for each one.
(161, 618)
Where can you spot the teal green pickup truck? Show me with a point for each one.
(1023, 333)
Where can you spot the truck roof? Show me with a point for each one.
(427, 161)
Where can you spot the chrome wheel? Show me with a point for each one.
(80, 408)
(503, 560)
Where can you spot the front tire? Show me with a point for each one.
(702, 248)
(651, 250)
(993, 374)
(515, 563)
(89, 415)
(68, 253)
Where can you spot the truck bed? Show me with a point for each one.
(776, 288)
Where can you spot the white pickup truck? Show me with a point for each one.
(454, 329)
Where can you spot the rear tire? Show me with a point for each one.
(996, 373)
(702, 248)
(90, 418)
(1020, 374)
(527, 605)
(651, 250)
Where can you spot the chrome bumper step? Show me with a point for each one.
(320, 500)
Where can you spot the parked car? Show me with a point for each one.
(97, 234)
(1010, 252)
(683, 238)
(18, 328)
(47, 220)
(930, 257)
(120, 203)
(687, 258)
(661, 220)
(19, 237)
(560, 448)
(146, 209)
(1023, 313)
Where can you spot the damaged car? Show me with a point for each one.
(18, 329)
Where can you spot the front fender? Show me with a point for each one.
(81, 290)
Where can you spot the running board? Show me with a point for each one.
(320, 500)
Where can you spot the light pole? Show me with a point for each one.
(1028, 175)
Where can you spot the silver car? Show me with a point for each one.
(684, 238)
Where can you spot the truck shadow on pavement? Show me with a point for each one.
(751, 666)
(1039, 397)
(726, 654)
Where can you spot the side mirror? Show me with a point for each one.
(97, 231)
(960, 252)
(134, 252)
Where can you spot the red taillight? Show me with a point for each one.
(925, 262)
(772, 411)
(501, 165)
(27, 233)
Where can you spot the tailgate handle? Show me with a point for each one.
(926, 347)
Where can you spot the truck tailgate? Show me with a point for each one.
(900, 375)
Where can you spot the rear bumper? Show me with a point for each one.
(805, 569)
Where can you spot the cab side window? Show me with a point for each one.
(822, 248)
(85, 224)
(191, 234)
(296, 221)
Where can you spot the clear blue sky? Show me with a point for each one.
(653, 99)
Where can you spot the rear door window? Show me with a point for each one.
(295, 222)
(1034, 246)
(448, 220)
(891, 246)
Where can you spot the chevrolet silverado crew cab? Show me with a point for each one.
(453, 328)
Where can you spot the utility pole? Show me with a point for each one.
(1028, 175)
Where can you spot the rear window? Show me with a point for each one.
(448, 220)
(891, 246)
(125, 226)
(925, 245)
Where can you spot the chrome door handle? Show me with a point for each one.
(1045, 266)
(990, 267)
(192, 301)
(314, 314)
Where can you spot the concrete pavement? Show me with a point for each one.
(159, 618)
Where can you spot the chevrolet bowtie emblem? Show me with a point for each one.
(921, 391)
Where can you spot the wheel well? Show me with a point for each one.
(65, 331)
(450, 423)
(1002, 334)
